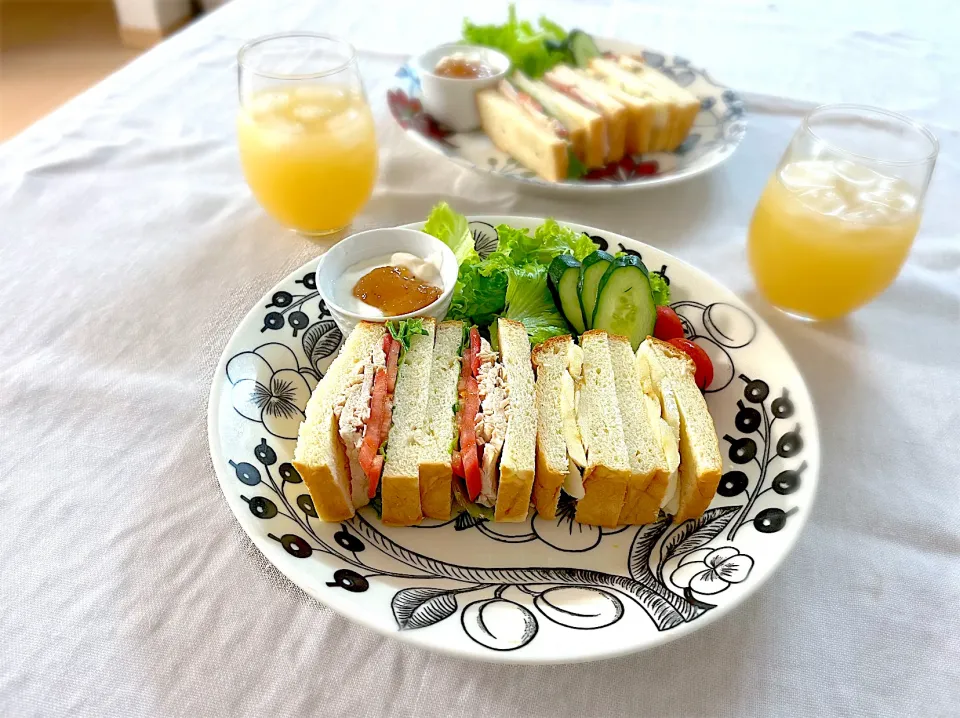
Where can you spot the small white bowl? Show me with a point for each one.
(377, 243)
(453, 101)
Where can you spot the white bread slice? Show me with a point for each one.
(550, 360)
(513, 131)
(648, 464)
(319, 456)
(400, 483)
(676, 107)
(600, 99)
(608, 469)
(573, 115)
(641, 114)
(436, 475)
(700, 462)
(517, 464)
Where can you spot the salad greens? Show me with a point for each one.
(512, 281)
(660, 289)
(534, 50)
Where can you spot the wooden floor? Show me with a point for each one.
(50, 51)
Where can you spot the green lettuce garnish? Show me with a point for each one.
(512, 281)
(404, 330)
(534, 50)
(529, 301)
(659, 288)
(452, 229)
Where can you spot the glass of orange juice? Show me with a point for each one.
(836, 221)
(306, 133)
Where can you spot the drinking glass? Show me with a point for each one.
(837, 218)
(305, 130)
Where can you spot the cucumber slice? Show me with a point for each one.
(624, 301)
(594, 267)
(582, 47)
(564, 276)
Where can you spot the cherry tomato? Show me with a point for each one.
(701, 360)
(668, 324)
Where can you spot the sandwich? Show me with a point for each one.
(607, 469)
(494, 453)
(668, 375)
(610, 431)
(572, 114)
(561, 457)
(433, 420)
(593, 94)
(517, 124)
(371, 399)
(649, 469)
(674, 108)
(440, 426)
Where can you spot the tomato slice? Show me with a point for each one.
(393, 358)
(703, 374)
(387, 338)
(456, 464)
(468, 438)
(668, 324)
(373, 436)
(474, 350)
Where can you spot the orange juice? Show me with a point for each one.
(309, 154)
(829, 236)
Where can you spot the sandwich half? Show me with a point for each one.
(593, 94)
(517, 464)
(675, 108)
(574, 116)
(521, 129)
(607, 472)
(321, 456)
(671, 373)
(649, 471)
(440, 429)
(560, 454)
(400, 493)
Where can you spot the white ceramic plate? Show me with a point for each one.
(716, 133)
(539, 591)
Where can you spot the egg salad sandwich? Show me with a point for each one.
(610, 433)
(668, 374)
(674, 108)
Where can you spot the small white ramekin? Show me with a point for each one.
(377, 243)
(453, 101)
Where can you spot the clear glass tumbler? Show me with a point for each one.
(836, 221)
(305, 131)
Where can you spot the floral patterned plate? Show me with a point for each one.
(539, 591)
(716, 133)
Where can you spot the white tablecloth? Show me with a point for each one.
(130, 248)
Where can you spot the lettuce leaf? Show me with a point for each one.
(532, 50)
(549, 240)
(477, 299)
(529, 301)
(452, 229)
(403, 330)
(659, 288)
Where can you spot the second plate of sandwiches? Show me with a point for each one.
(428, 419)
(627, 118)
